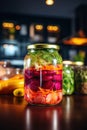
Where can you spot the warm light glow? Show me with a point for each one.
(79, 41)
(7, 25)
(76, 41)
(49, 2)
(39, 27)
(31, 31)
(18, 27)
(51, 28)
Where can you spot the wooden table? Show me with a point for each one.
(70, 114)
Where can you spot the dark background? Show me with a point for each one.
(61, 8)
(69, 15)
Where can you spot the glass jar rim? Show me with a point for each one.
(79, 63)
(43, 45)
(67, 62)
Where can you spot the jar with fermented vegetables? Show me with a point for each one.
(68, 78)
(81, 80)
(43, 74)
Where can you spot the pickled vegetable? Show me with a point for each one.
(50, 80)
(43, 96)
(45, 78)
(43, 58)
(18, 92)
(8, 86)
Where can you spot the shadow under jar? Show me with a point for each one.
(43, 75)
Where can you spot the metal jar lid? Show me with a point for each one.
(67, 62)
(42, 45)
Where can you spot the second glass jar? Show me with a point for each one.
(81, 80)
(68, 78)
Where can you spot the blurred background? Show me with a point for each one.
(31, 21)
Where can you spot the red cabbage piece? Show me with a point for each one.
(34, 84)
(43, 78)
(57, 77)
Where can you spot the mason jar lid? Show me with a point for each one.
(42, 45)
(67, 62)
(79, 63)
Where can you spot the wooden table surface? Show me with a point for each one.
(70, 114)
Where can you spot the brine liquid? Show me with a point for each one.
(39, 84)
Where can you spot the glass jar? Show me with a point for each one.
(68, 78)
(81, 80)
(3, 66)
(43, 74)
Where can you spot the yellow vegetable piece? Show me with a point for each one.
(19, 92)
